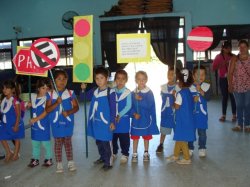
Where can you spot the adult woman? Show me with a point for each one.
(221, 63)
(239, 84)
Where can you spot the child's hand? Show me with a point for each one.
(196, 98)
(83, 86)
(59, 100)
(137, 116)
(198, 87)
(16, 128)
(174, 93)
(32, 121)
(137, 97)
(112, 126)
(117, 119)
(29, 105)
(65, 113)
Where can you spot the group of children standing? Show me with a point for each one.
(50, 110)
(114, 114)
(184, 109)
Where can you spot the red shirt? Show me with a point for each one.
(224, 68)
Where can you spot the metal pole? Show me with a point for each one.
(85, 120)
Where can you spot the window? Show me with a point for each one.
(5, 55)
(25, 43)
(181, 42)
(65, 45)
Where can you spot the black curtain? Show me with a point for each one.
(217, 36)
(164, 37)
(109, 29)
(232, 32)
(238, 32)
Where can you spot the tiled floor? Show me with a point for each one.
(227, 163)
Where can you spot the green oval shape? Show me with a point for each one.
(82, 71)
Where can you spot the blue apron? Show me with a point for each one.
(99, 116)
(167, 111)
(9, 119)
(123, 126)
(40, 131)
(185, 129)
(146, 125)
(61, 126)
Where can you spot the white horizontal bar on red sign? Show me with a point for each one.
(200, 38)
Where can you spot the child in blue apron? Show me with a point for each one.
(62, 105)
(102, 115)
(202, 93)
(40, 125)
(11, 126)
(167, 111)
(184, 130)
(143, 115)
(122, 125)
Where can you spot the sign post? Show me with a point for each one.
(200, 39)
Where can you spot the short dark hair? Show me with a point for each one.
(201, 68)
(42, 82)
(177, 71)
(226, 44)
(121, 72)
(243, 42)
(58, 72)
(103, 71)
(11, 85)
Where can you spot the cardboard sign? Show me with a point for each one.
(133, 48)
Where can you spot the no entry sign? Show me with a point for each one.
(44, 53)
(200, 38)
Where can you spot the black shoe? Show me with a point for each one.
(48, 162)
(33, 163)
(106, 168)
(159, 148)
(98, 161)
(2, 157)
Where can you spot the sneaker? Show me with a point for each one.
(59, 167)
(135, 157)
(124, 159)
(146, 157)
(98, 161)
(159, 148)
(202, 152)
(33, 163)
(106, 168)
(47, 163)
(191, 152)
(71, 166)
(183, 161)
(172, 158)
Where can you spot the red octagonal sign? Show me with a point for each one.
(24, 65)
